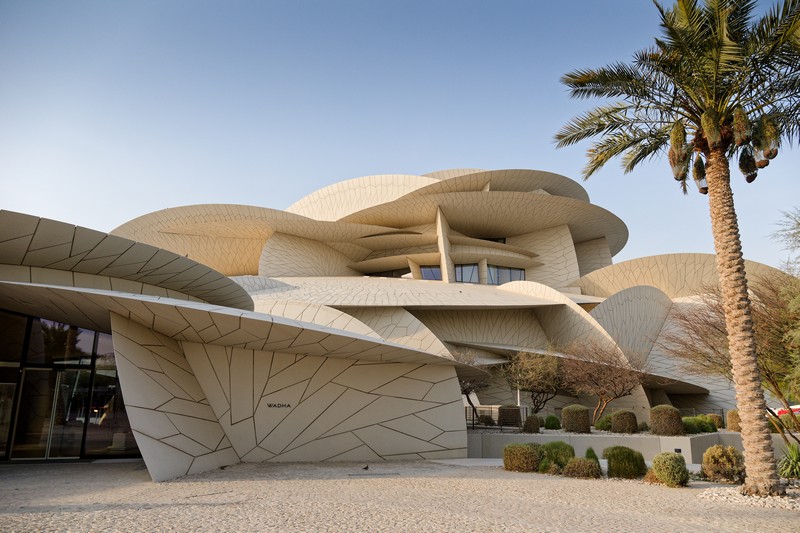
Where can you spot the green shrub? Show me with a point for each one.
(650, 477)
(522, 457)
(592, 456)
(551, 422)
(733, 422)
(624, 462)
(789, 465)
(486, 420)
(603, 424)
(624, 422)
(691, 425)
(583, 468)
(670, 469)
(643, 426)
(555, 453)
(541, 421)
(531, 424)
(716, 420)
(665, 420)
(509, 415)
(721, 463)
(575, 419)
(706, 424)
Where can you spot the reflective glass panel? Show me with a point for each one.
(109, 432)
(57, 343)
(8, 386)
(431, 272)
(12, 337)
(467, 273)
(35, 411)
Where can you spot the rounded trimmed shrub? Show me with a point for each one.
(716, 420)
(551, 422)
(624, 422)
(555, 453)
(582, 468)
(691, 425)
(554, 470)
(575, 419)
(486, 420)
(643, 426)
(623, 462)
(723, 463)
(665, 420)
(603, 424)
(531, 425)
(670, 469)
(733, 422)
(591, 455)
(509, 415)
(697, 424)
(522, 457)
(541, 421)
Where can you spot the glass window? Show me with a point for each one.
(431, 272)
(467, 273)
(12, 337)
(499, 275)
(109, 431)
(56, 343)
(399, 273)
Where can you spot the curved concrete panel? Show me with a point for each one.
(677, 275)
(56, 252)
(346, 197)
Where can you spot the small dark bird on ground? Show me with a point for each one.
(365, 468)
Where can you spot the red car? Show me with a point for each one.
(784, 411)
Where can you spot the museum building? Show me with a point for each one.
(336, 330)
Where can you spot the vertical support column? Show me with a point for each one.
(483, 272)
(416, 272)
(445, 263)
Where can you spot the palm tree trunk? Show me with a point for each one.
(762, 475)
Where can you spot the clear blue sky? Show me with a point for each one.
(110, 110)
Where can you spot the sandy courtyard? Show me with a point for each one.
(392, 496)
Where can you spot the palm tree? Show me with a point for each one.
(731, 86)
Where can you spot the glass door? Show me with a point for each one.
(52, 414)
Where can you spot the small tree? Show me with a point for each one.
(473, 380)
(599, 370)
(537, 374)
(698, 336)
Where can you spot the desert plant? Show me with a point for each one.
(531, 424)
(643, 426)
(789, 465)
(623, 462)
(624, 422)
(486, 420)
(708, 425)
(693, 425)
(551, 422)
(665, 420)
(733, 423)
(522, 457)
(670, 469)
(650, 477)
(555, 453)
(575, 419)
(591, 455)
(509, 415)
(716, 420)
(554, 470)
(604, 423)
(721, 463)
(583, 468)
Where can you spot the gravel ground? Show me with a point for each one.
(389, 496)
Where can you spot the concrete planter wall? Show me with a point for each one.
(490, 445)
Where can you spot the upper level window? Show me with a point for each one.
(467, 273)
(431, 272)
(399, 273)
(499, 275)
